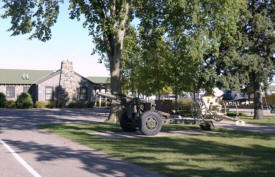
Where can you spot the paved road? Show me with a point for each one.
(47, 155)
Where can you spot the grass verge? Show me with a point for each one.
(228, 153)
(268, 120)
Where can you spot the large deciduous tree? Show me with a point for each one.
(247, 58)
(258, 47)
(106, 20)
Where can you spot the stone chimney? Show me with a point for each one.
(67, 82)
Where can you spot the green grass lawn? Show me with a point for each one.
(226, 154)
(268, 120)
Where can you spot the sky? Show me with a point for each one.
(69, 41)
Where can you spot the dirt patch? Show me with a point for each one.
(161, 134)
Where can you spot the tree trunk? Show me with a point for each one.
(115, 43)
(115, 79)
(115, 69)
(176, 100)
(258, 101)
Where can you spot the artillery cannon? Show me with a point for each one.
(137, 114)
(209, 109)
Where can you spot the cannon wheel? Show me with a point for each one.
(151, 123)
(127, 124)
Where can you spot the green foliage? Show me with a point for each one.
(60, 104)
(183, 104)
(179, 51)
(103, 103)
(24, 101)
(51, 104)
(2, 100)
(10, 104)
(270, 99)
(106, 21)
(234, 114)
(80, 105)
(248, 58)
(77, 105)
(177, 46)
(36, 17)
(91, 104)
(40, 104)
(130, 61)
(72, 105)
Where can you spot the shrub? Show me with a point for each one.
(24, 101)
(51, 104)
(103, 103)
(10, 104)
(91, 104)
(270, 99)
(2, 100)
(184, 106)
(61, 104)
(77, 105)
(234, 114)
(72, 105)
(40, 104)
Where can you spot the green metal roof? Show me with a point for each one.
(20, 76)
(99, 80)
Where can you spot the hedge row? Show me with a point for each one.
(24, 101)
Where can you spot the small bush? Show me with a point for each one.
(10, 104)
(61, 104)
(234, 114)
(103, 103)
(51, 104)
(2, 100)
(184, 106)
(40, 104)
(91, 104)
(24, 101)
(77, 105)
(72, 105)
(97, 103)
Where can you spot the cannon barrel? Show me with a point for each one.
(120, 97)
(107, 95)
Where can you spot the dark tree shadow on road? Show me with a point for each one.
(94, 162)
(26, 119)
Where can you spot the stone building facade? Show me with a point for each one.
(63, 85)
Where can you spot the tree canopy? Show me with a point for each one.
(106, 20)
(175, 46)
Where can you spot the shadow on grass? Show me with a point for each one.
(199, 155)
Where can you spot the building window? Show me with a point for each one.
(26, 89)
(49, 93)
(10, 92)
(83, 93)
